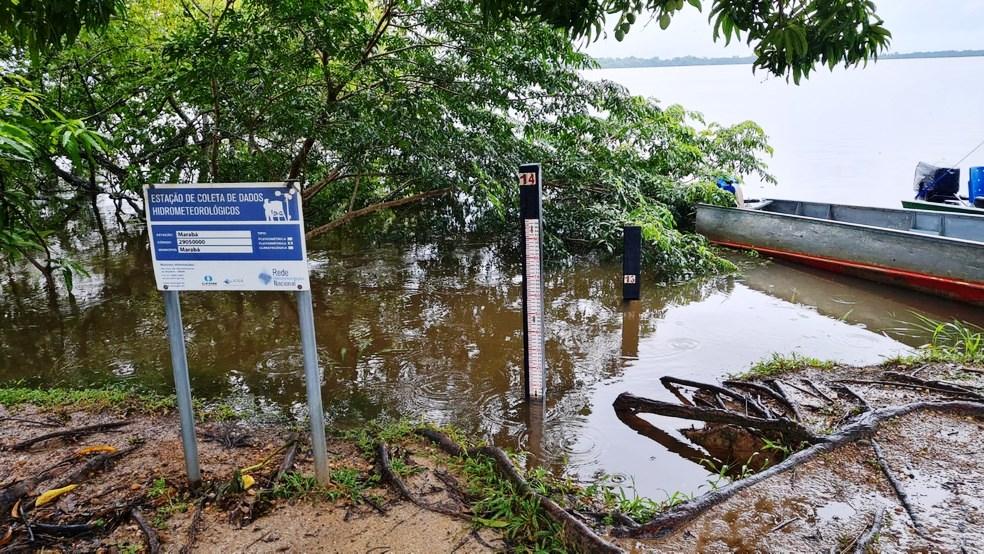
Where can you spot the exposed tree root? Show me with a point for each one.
(256, 505)
(912, 386)
(576, 533)
(775, 386)
(70, 433)
(865, 540)
(853, 394)
(747, 403)
(668, 441)
(150, 534)
(390, 476)
(797, 387)
(771, 393)
(196, 520)
(934, 385)
(897, 488)
(866, 426)
(817, 392)
(790, 429)
(17, 491)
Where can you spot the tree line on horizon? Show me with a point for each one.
(682, 61)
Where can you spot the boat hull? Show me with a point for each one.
(938, 207)
(946, 267)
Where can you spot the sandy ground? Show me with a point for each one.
(302, 524)
(824, 505)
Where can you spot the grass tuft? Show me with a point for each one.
(780, 364)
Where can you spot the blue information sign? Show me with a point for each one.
(234, 236)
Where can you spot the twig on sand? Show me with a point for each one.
(784, 524)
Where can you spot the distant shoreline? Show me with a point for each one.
(683, 61)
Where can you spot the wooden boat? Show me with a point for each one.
(941, 207)
(935, 252)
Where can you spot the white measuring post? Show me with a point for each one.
(534, 329)
(232, 237)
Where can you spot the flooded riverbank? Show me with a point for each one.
(434, 331)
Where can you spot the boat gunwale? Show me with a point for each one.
(861, 226)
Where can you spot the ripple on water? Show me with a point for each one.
(675, 347)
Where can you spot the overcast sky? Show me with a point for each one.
(915, 25)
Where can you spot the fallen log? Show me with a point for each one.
(791, 429)
(865, 426)
(576, 533)
(70, 433)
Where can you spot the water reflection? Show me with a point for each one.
(434, 330)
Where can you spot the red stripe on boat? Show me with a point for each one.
(953, 288)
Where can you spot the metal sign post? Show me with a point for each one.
(232, 237)
(534, 330)
(182, 385)
(631, 261)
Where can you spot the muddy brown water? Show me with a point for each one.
(434, 331)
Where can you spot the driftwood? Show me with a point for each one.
(70, 433)
(390, 476)
(791, 429)
(865, 426)
(576, 533)
(150, 534)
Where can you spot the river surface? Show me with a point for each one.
(847, 136)
(433, 330)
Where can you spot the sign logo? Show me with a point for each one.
(208, 281)
(265, 277)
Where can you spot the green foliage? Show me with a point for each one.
(789, 38)
(43, 25)
(949, 341)
(368, 104)
(502, 507)
(780, 364)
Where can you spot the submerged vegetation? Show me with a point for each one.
(371, 106)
